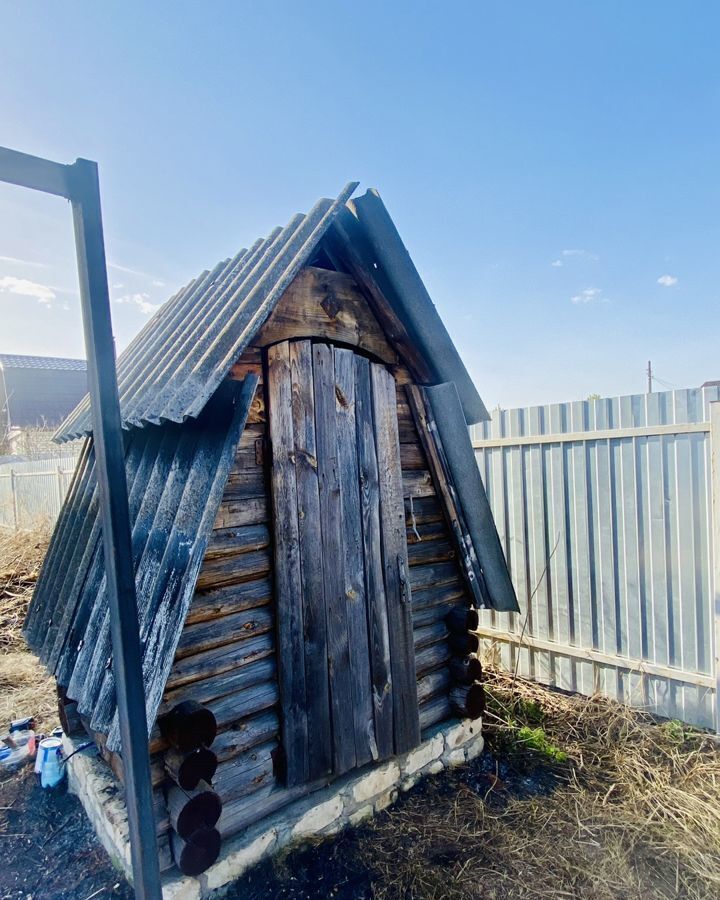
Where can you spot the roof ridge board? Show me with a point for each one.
(165, 644)
(201, 317)
(166, 402)
(147, 369)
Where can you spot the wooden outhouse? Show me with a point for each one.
(310, 533)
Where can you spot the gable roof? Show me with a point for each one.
(39, 391)
(176, 475)
(174, 365)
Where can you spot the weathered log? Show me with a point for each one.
(424, 553)
(468, 700)
(190, 810)
(438, 595)
(223, 601)
(433, 575)
(432, 614)
(248, 733)
(245, 774)
(435, 710)
(465, 669)
(218, 632)
(435, 683)
(220, 659)
(69, 717)
(189, 725)
(463, 619)
(429, 634)
(262, 670)
(197, 852)
(431, 657)
(187, 770)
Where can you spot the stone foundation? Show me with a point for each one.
(347, 801)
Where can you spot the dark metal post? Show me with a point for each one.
(79, 184)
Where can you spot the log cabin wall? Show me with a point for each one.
(226, 655)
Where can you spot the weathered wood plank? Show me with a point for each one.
(422, 510)
(233, 513)
(345, 406)
(245, 484)
(317, 689)
(288, 575)
(417, 484)
(219, 660)
(379, 633)
(423, 553)
(396, 569)
(412, 457)
(231, 541)
(433, 574)
(226, 570)
(341, 697)
(324, 304)
(223, 601)
(216, 686)
(206, 635)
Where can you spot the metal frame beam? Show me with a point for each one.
(79, 184)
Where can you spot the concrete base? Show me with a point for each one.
(347, 801)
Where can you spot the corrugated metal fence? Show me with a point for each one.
(32, 492)
(605, 511)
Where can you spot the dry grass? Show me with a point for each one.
(25, 688)
(635, 813)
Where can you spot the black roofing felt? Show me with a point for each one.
(39, 391)
(176, 476)
(176, 362)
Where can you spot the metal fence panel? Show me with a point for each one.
(605, 513)
(32, 492)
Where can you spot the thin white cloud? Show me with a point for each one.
(584, 254)
(589, 295)
(118, 286)
(26, 288)
(118, 268)
(141, 301)
(22, 262)
(557, 264)
(667, 280)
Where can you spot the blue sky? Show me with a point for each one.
(552, 167)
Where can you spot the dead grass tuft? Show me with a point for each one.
(25, 688)
(635, 812)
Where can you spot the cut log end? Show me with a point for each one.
(188, 769)
(196, 853)
(466, 669)
(468, 701)
(191, 810)
(189, 725)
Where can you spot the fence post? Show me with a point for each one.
(13, 494)
(61, 493)
(715, 547)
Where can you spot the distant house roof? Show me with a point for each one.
(39, 391)
(175, 364)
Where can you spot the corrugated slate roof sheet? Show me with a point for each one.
(56, 363)
(39, 391)
(178, 360)
(176, 475)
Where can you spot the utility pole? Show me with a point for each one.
(649, 377)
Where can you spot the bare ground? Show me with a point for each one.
(575, 797)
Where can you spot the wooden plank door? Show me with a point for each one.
(345, 649)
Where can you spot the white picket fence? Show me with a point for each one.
(605, 512)
(32, 492)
